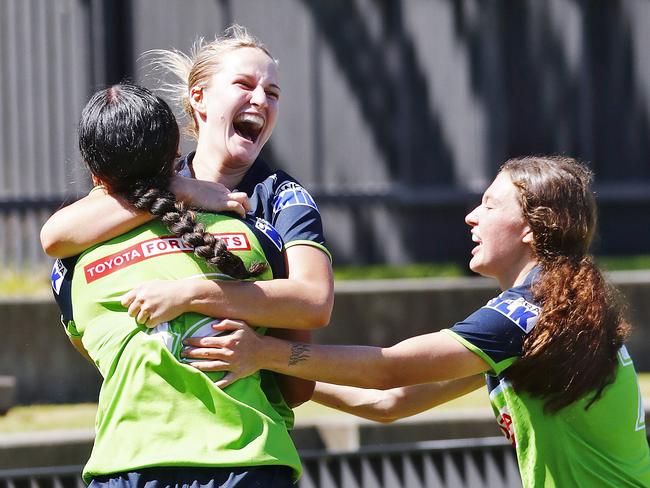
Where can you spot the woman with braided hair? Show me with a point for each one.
(139, 167)
(551, 345)
(161, 422)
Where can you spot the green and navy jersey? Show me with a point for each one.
(279, 199)
(603, 446)
(153, 409)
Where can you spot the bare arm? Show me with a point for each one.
(67, 232)
(396, 403)
(421, 359)
(302, 301)
(295, 391)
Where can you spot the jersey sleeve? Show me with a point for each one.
(61, 277)
(491, 336)
(496, 331)
(296, 215)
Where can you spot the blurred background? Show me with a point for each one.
(394, 114)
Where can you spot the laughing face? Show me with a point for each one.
(503, 239)
(238, 109)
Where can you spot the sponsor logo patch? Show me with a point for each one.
(504, 419)
(269, 231)
(518, 310)
(58, 273)
(290, 194)
(153, 247)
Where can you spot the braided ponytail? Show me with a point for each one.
(129, 138)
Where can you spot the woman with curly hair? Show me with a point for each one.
(550, 346)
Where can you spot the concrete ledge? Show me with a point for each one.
(47, 448)
(48, 370)
(335, 432)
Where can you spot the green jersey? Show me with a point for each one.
(154, 410)
(603, 446)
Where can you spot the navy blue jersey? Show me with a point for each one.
(279, 199)
(497, 330)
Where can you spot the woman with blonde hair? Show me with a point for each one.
(230, 90)
(550, 346)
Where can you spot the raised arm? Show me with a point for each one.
(67, 232)
(395, 403)
(421, 359)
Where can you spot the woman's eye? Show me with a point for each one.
(273, 95)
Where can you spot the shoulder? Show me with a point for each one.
(513, 307)
(497, 330)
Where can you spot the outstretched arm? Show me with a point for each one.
(421, 359)
(295, 391)
(396, 403)
(67, 232)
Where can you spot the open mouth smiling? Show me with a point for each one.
(248, 126)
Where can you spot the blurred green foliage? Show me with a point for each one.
(24, 283)
(34, 283)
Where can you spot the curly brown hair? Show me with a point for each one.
(572, 350)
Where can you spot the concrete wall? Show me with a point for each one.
(48, 370)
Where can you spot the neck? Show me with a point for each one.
(209, 165)
(517, 277)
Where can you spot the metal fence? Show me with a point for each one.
(462, 463)
(45, 79)
(393, 113)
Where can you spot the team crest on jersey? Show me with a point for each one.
(173, 336)
(58, 273)
(269, 231)
(524, 314)
(235, 241)
(290, 194)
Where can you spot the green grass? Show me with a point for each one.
(36, 282)
(428, 270)
(24, 283)
(82, 416)
(623, 263)
(48, 417)
(379, 271)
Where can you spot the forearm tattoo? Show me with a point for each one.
(299, 352)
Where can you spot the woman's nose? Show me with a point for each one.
(258, 97)
(470, 218)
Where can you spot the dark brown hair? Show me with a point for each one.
(572, 350)
(129, 137)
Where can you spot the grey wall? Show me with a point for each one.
(395, 114)
(36, 350)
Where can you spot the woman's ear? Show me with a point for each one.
(196, 99)
(528, 237)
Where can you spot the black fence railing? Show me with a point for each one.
(461, 463)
